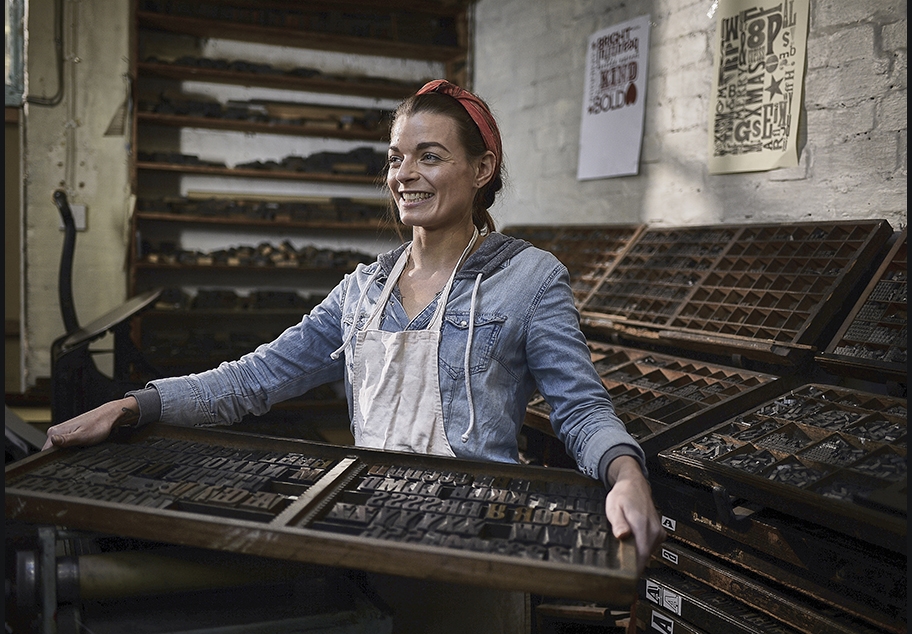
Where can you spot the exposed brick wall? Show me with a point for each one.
(530, 64)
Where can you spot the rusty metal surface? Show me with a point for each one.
(872, 343)
(664, 399)
(828, 455)
(505, 526)
(765, 291)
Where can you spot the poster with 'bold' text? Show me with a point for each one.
(611, 131)
(757, 85)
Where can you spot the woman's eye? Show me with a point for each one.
(394, 160)
(430, 157)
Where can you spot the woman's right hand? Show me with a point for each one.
(93, 426)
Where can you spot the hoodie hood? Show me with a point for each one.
(496, 249)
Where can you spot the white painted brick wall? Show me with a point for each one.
(530, 65)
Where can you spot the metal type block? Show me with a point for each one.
(834, 450)
(264, 501)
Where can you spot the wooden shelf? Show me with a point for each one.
(148, 266)
(297, 38)
(377, 225)
(208, 313)
(211, 170)
(263, 127)
(354, 86)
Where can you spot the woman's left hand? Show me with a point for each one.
(630, 509)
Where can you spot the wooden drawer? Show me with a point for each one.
(766, 292)
(828, 455)
(504, 526)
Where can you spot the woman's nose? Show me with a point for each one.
(406, 171)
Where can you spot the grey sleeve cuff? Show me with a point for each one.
(150, 405)
(616, 452)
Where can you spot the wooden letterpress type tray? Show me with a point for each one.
(771, 599)
(846, 574)
(828, 455)
(588, 252)
(506, 526)
(871, 344)
(763, 291)
(664, 399)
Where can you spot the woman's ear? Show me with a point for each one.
(485, 169)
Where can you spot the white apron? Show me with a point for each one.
(395, 383)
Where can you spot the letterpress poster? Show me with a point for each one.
(758, 80)
(611, 131)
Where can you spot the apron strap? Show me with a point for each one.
(437, 319)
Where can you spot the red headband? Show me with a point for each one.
(476, 109)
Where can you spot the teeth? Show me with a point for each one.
(411, 198)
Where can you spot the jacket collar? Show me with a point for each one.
(496, 249)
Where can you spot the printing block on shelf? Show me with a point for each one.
(330, 209)
(506, 526)
(828, 455)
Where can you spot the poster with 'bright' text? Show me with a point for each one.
(611, 130)
(755, 106)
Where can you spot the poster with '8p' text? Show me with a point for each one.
(755, 106)
(611, 130)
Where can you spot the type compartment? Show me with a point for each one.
(872, 342)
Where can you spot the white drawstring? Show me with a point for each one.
(468, 350)
(354, 329)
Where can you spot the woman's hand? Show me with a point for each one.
(93, 426)
(630, 509)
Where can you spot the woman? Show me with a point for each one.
(440, 342)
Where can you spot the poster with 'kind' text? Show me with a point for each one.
(611, 131)
(756, 104)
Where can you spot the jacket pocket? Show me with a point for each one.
(454, 338)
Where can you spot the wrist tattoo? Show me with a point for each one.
(128, 417)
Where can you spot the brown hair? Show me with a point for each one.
(472, 141)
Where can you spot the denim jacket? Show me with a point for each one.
(526, 336)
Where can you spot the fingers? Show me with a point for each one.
(62, 437)
(637, 517)
(89, 428)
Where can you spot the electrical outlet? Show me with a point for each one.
(79, 217)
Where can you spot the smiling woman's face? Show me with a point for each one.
(430, 177)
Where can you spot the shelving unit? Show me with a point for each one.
(260, 127)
